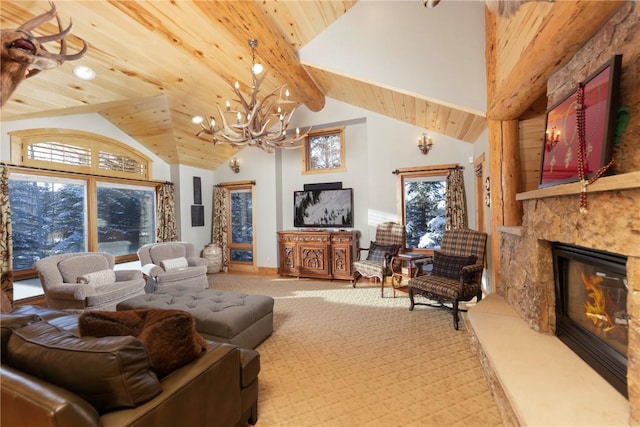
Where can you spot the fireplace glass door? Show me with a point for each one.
(592, 317)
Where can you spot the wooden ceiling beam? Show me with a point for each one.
(562, 32)
(246, 21)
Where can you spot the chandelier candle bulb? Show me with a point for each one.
(228, 106)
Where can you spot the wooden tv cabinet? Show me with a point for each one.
(322, 254)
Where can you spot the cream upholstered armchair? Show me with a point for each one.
(390, 238)
(456, 273)
(86, 281)
(173, 263)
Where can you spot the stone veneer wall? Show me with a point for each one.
(613, 220)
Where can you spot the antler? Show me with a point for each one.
(24, 56)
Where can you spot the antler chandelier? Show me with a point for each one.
(255, 122)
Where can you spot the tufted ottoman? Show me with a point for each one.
(240, 319)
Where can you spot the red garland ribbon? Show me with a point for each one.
(582, 150)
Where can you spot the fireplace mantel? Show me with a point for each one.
(625, 181)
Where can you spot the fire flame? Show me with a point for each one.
(595, 304)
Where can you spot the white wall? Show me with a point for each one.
(436, 52)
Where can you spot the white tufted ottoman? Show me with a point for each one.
(240, 319)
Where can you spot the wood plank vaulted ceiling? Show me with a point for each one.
(161, 62)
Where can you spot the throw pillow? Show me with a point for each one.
(110, 373)
(377, 252)
(174, 263)
(169, 336)
(450, 265)
(97, 278)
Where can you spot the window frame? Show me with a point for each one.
(306, 150)
(22, 140)
(91, 208)
(241, 266)
(412, 173)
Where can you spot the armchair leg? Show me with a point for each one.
(356, 276)
(455, 314)
(411, 299)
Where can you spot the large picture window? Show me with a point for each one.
(126, 219)
(52, 215)
(48, 216)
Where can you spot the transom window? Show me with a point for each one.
(324, 151)
(77, 151)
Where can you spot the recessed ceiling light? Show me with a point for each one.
(196, 120)
(83, 72)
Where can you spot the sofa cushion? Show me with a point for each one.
(98, 278)
(174, 263)
(9, 322)
(377, 252)
(73, 267)
(110, 373)
(450, 265)
(170, 336)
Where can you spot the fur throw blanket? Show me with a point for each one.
(169, 336)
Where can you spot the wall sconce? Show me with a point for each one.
(551, 138)
(234, 164)
(425, 143)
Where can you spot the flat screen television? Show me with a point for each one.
(323, 208)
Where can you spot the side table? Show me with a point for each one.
(407, 259)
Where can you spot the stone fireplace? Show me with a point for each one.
(552, 216)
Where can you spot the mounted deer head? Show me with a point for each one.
(499, 7)
(23, 55)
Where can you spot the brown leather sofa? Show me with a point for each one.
(86, 381)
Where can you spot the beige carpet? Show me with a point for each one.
(340, 356)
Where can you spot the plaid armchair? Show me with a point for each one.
(456, 274)
(390, 238)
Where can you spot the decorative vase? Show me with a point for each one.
(213, 254)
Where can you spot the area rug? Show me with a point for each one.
(341, 356)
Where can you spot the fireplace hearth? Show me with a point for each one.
(591, 309)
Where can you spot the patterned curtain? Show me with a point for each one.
(166, 230)
(456, 215)
(6, 244)
(219, 223)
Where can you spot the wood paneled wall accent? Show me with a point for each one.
(448, 119)
(531, 145)
(496, 211)
(504, 169)
(527, 48)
